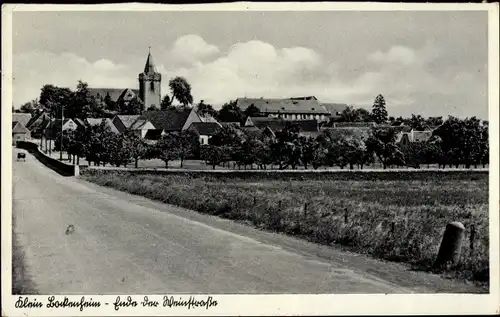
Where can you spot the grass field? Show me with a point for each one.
(390, 219)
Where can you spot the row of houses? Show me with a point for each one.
(150, 125)
(273, 117)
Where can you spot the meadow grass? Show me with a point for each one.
(396, 220)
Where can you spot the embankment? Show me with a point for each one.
(58, 166)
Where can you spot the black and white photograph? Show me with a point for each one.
(185, 155)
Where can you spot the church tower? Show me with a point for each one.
(150, 84)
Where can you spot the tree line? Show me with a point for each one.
(58, 101)
(456, 143)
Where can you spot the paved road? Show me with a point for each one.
(127, 244)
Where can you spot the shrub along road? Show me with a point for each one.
(122, 243)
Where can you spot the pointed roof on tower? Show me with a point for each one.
(150, 64)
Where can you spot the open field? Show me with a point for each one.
(397, 220)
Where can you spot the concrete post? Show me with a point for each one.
(77, 170)
(451, 245)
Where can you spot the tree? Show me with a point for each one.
(166, 103)
(83, 104)
(131, 107)
(417, 122)
(230, 112)
(226, 135)
(287, 149)
(32, 107)
(396, 121)
(252, 111)
(461, 140)
(167, 148)
(382, 143)
(214, 155)
(53, 98)
(181, 90)
(484, 153)
(434, 121)
(309, 148)
(379, 113)
(136, 146)
(120, 149)
(415, 154)
(95, 142)
(67, 141)
(110, 104)
(350, 114)
(204, 109)
(187, 145)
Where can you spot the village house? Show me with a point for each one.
(98, 121)
(37, 124)
(23, 118)
(309, 128)
(135, 123)
(55, 125)
(171, 120)
(404, 139)
(204, 130)
(19, 132)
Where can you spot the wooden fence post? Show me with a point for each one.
(449, 251)
(472, 237)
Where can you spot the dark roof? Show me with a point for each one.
(79, 122)
(98, 121)
(334, 108)
(18, 127)
(282, 105)
(128, 94)
(114, 93)
(353, 124)
(402, 128)
(230, 124)
(139, 124)
(150, 67)
(338, 132)
(304, 98)
(24, 118)
(128, 120)
(252, 131)
(205, 128)
(39, 121)
(153, 134)
(276, 124)
(168, 120)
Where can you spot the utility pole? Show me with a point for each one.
(62, 124)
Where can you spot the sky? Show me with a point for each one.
(432, 63)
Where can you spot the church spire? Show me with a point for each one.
(150, 67)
